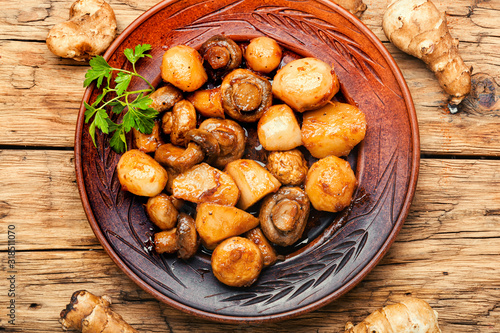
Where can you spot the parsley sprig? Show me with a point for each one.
(138, 114)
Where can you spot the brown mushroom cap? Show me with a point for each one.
(289, 167)
(245, 95)
(283, 215)
(230, 137)
(177, 158)
(221, 53)
(164, 98)
(207, 142)
(183, 120)
(187, 237)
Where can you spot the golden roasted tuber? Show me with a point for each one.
(89, 313)
(419, 29)
(412, 315)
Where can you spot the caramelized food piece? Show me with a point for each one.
(182, 66)
(289, 167)
(148, 143)
(333, 130)
(161, 211)
(230, 136)
(183, 120)
(166, 241)
(207, 142)
(187, 237)
(203, 183)
(166, 123)
(221, 53)
(208, 102)
(305, 84)
(263, 54)
(245, 95)
(283, 215)
(237, 262)
(330, 184)
(177, 158)
(140, 174)
(217, 222)
(164, 98)
(268, 252)
(253, 180)
(278, 128)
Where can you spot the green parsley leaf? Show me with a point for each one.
(133, 55)
(100, 120)
(118, 141)
(122, 81)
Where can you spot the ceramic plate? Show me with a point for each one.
(343, 247)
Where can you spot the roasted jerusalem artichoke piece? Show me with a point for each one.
(263, 54)
(182, 66)
(253, 180)
(268, 253)
(289, 167)
(333, 130)
(278, 129)
(237, 262)
(203, 183)
(215, 223)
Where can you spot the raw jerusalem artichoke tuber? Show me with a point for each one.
(90, 314)
(419, 29)
(412, 315)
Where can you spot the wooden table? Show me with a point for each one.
(448, 251)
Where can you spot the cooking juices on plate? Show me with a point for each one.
(195, 156)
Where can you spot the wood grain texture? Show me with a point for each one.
(51, 88)
(446, 253)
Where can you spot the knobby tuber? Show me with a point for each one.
(92, 314)
(356, 7)
(419, 29)
(412, 315)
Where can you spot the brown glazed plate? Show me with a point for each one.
(339, 249)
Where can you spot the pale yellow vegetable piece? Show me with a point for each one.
(278, 128)
(419, 29)
(208, 103)
(330, 184)
(215, 223)
(305, 84)
(140, 174)
(412, 315)
(161, 211)
(204, 183)
(333, 130)
(253, 180)
(263, 54)
(237, 262)
(182, 66)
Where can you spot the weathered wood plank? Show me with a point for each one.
(41, 93)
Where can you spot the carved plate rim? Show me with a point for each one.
(412, 179)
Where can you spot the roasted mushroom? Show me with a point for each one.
(245, 95)
(166, 241)
(148, 143)
(230, 136)
(177, 158)
(187, 237)
(164, 98)
(222, 54)
(183, 120)
(289, 167)
(140, 174)
(161, 211)
(268, 252)
(237, 262)
(182, 66)
(283, 215)
(207, 142)
(305, 84)
(166, 123)
(263, 54)
(330, 184)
